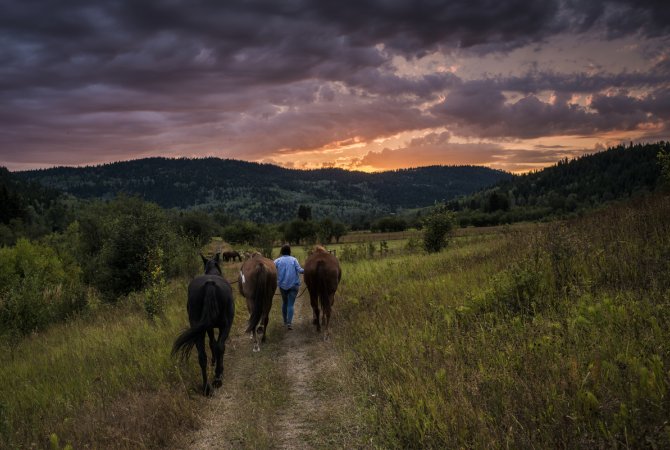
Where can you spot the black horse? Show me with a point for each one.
(210, 305)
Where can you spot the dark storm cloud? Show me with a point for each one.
(157, 43)
(656, 104)
(253, 77)
(578, 83)
(621, 17)
(480, 108)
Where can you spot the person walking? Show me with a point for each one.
(288, 279)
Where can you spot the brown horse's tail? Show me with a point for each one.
(259, 296)
(323, 287)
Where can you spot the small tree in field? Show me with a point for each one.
(436, 228)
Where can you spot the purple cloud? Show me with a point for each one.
(85, 82)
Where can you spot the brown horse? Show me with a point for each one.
(322, 275)
(258, 282)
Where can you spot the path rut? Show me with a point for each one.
(290, 395)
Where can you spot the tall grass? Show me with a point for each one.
(554, 337)
(104, 380)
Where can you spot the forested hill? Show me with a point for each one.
(265, 192)
(29, 208)
(566, 188)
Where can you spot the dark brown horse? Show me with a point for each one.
(258, 282)
(210, 305)
(322, 275)
(231, 256)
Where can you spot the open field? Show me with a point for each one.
(531, 336)
(555, 337)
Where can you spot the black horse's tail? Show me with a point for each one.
(323, 287)
(210, 311)
(260, 296)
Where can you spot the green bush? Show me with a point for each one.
(198, 226)
(241, 232)
(156, 291)
(117, 240)
(521, 289)
(413, 244)
(437, 226)
(36, 288)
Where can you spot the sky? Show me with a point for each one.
(361, 85)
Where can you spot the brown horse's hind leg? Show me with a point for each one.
(326, 316)
(257, 341)
(314, 301)
(266, 319)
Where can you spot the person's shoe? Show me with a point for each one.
(289, 326)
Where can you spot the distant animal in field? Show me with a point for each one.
(257, 283)
(231, 256)
(210, 305)
(322, 276)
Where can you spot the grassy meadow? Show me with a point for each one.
(103, 380)
(525, 336)
(545, 337)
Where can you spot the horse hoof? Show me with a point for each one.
(257, 349)
(208, 390)
(218, 382)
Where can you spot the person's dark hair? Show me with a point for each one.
(285, 250)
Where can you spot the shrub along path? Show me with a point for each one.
(292, 394)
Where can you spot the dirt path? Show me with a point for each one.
(290, 395)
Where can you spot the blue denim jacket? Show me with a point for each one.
(288, 270)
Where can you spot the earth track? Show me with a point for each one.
(290, 395)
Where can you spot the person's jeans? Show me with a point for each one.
(288, 300)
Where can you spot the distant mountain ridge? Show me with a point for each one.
(265, 192)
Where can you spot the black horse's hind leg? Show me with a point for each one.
(212, 344)
(202, 360)
(218, 371)
(221, 350)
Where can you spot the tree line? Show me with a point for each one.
(266, 193)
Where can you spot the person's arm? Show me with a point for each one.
(297, 266)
